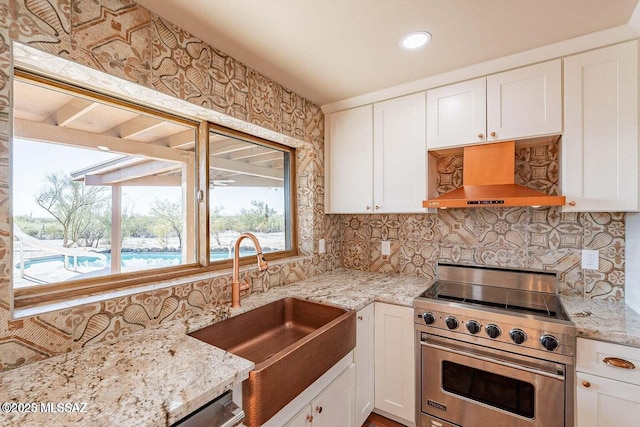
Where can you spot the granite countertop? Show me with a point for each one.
(159, 375)
(611, 321)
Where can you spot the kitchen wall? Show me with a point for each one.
(125, 40)
(522, 237)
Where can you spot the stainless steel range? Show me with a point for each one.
(493, 348)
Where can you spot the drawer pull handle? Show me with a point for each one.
(360, 317)
(618, 363)
(586, 384)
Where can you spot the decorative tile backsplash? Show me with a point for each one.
(124, 40)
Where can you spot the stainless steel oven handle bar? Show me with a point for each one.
(496, 361)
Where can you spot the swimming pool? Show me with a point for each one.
(128, 259)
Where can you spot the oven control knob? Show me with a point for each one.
(473, 326)
(518, 336)
(549, 342)
(452, 322)
(428, 318)
(493, 331)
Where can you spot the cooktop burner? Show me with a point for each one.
(537, 303)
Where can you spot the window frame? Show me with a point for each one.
(290, 174)
(29, 297)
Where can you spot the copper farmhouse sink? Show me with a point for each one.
(292, 343)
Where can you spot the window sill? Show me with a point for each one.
(24, 308)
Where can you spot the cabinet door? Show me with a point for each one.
(525, 102)
(394, 361)
(456, 114)
(600, 142)
(301, 419)
(335, 406)
(349, 161)
(606, 402)
(364, 359)
(400, 154)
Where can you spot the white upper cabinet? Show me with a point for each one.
(516, 104)
(525, 102)
(349, 161)
(457, 114)
(376, 157)
(599, 151)
(399, 154)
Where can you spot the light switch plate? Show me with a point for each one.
(321, 246)
(386, 248)
(590, 259)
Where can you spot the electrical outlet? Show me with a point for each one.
(321, 246)
(590, 259)
(386, 248)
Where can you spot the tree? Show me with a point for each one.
(170, 212)
(71, 203)
(217, 223)
(260, 217)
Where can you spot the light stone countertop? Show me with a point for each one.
(157, 376)
(611, 321)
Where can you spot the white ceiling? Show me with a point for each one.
(329, 50)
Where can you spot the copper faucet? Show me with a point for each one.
(237, 285)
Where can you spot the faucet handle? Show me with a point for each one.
(262, 262)
(245, 287)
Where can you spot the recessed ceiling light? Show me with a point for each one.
(415, 40)
(103, 148)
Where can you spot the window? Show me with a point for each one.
(106, 193)
(250, 190)
(99, 186)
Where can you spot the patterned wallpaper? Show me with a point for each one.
(124, 40)
(519, 237)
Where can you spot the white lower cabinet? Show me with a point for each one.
(394, 363)
(607, 393)
(364, 359)
(333, 407)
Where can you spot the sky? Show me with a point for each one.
(33, 161)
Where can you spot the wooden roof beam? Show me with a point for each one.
(246, 168)
(72, 110)
(129, 173)
(77, 138)
(134, 127)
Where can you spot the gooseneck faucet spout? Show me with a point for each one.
(237, 285)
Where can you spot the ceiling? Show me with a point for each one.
(330, 50)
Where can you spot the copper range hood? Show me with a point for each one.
(488, 179)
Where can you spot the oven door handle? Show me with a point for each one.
(556, 376)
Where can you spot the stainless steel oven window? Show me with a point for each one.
(509, 394)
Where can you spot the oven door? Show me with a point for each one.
(470, 385)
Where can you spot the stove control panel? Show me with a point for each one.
(504, 329)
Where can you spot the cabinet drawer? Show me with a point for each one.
(592, 357)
